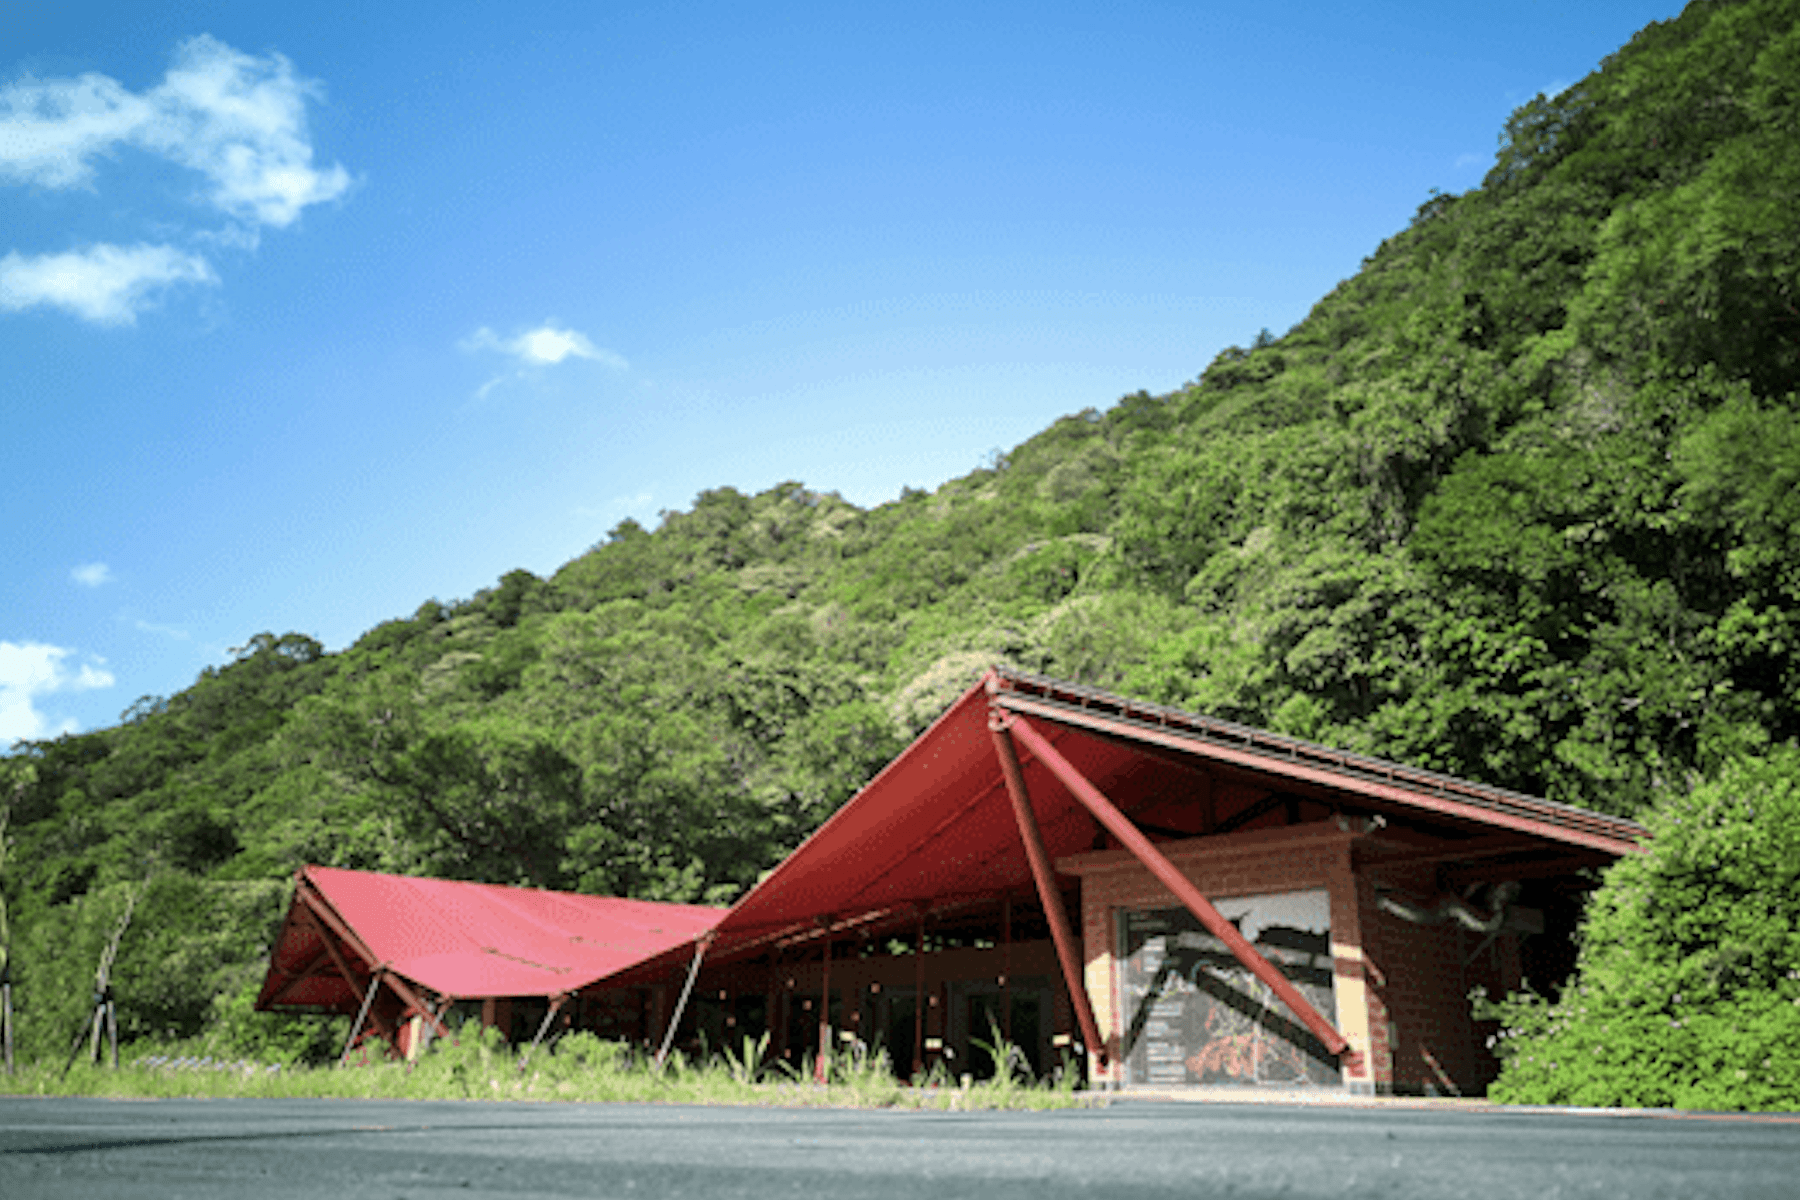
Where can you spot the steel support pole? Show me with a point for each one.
(556, 1003)
(1170, 876)
(1048, 894)
(700, 945)
(361, 1014)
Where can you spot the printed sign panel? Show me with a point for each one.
(1195, 1015)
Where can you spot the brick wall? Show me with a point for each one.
(1420, 1006)
(1259, 862)
(1401, 988)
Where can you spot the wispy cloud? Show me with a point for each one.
(545, 346)
(237, 120)
(92, 574)
(31, 670)
(55, 127)
(105, 284)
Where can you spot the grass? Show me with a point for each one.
(476, 1064)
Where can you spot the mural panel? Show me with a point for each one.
(1195, 1015)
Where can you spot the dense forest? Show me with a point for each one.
(1518, 501)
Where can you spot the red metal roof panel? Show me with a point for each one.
(473, 940)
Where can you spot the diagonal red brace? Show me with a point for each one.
(1045, 878)
(1170, 876)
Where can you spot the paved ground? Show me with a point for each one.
(1138, 1148)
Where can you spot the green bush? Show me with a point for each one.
(1687, 992)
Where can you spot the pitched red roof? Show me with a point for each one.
(465, 940)
(936, 825)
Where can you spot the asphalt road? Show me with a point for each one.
(345, 1149)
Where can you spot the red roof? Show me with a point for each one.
(935, 828)
(936, 825)
(465, 940)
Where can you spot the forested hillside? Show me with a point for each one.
(1519, 501)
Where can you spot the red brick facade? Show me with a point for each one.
(1401, 988)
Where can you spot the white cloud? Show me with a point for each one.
(104, 283)
(237, 119)
(31, 670)
(548, 345)
(544, 346)
(241, 121)
(51, 130)
(92, 574)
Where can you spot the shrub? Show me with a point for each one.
(1687, 990)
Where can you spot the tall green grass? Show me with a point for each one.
(476, 1064)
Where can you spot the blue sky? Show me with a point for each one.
(309, 313)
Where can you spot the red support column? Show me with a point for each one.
(1047, 892)
(784, 1017)
(1006, 968)
(1120, 826)
(772, 1012)
(919, 996)
(940, 1004)
(659, 1015)
(819, 1065)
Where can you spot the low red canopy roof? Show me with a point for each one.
(465, 940)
